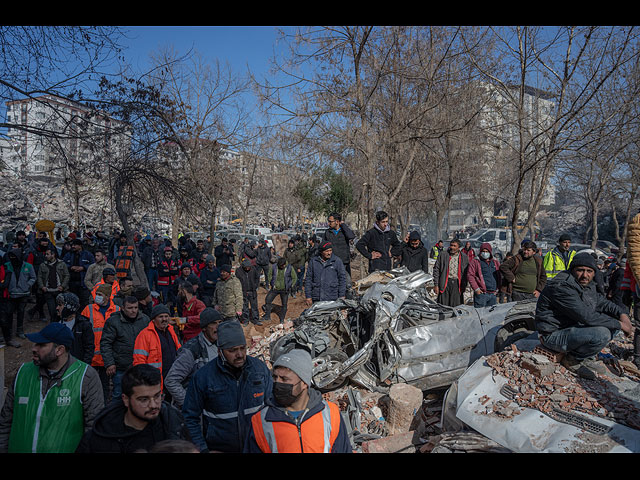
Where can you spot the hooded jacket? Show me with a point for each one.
(23, 276)
(385, 242)
(565, 303)
(474, 272)
(110, 435)
(274, 413)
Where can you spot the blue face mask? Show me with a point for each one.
(485, 255)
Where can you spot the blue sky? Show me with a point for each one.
(239, 45)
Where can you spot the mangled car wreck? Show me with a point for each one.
(395, 333)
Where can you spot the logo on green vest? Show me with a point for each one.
(64, 398)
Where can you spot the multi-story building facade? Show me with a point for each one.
(46, 133)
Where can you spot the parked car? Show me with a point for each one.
(607, 246)
(394, 332)
(581, 247)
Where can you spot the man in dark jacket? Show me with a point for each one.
(151, 258)
(263, 260)
(118, 338)
(53, 278)
(379, 244)
(524, 273)
(326, 277)
(573, 318)
(78, 261)
(414, 255)
(224, 254)
(209, 277)
(280, 280)
(83, 346)
(250, 280)
(450, 275)
(223, 394)
(340, 235)
(136, 421)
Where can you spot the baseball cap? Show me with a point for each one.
(55, 332)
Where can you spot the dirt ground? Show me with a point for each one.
(14, 357)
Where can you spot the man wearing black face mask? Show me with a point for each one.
(296, 419)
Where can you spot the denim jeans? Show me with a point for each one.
(117, 385)
(152, 278)
(484, 300)
(581, 342)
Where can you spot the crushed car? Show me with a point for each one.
(394, 332)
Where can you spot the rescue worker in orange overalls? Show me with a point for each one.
(296, 419)
(98, 312)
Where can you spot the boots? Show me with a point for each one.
(636, 348)
(587, 368)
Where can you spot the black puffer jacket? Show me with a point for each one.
(565, 303)
(415, 258)
(110, 435)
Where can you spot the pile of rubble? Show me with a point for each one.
(536, 380)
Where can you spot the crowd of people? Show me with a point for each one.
(143, 343)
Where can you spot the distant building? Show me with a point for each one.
(498, 119)
(47, 132)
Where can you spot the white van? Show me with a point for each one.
(257, 231)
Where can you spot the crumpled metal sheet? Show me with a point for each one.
(527, 430)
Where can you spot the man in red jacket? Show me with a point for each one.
(191, 309)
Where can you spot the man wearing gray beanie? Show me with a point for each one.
(296, 419)
(573, 318)
(225, 392)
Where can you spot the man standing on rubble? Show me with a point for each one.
(296, 419)
(573, 318)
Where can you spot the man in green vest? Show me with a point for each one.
(53, 400)
(559, 259)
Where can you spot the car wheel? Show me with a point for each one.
(323, 366)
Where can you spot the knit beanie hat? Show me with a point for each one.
(225, 268)
(209, 315)
(158, 310)
(415, 235)
(583, 259)
(324, 246)
(230, 334)
(564, 237)
(299, 362)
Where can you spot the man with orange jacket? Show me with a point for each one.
(98, 313)
(296, 419)
(157, 344)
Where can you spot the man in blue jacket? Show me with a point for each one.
(574, 319)
(326, 277)
(224, 394)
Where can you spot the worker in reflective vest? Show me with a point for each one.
(98, 313)
(296, 419)
(157, 344)
(559, 258)
(168, 271)
(124, 261)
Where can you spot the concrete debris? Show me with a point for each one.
(534, 381)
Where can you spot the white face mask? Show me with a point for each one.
(99, 299)
(485, 255)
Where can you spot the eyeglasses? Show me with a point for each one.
(145, 401)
